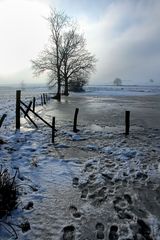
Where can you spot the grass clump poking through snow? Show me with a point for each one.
(8, 192)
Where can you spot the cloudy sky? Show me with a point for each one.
(123, 34)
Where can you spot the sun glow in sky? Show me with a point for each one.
(23, 33)
(123, 34)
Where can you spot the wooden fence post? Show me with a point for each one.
(75, 120)
(41, 100)
(127, 122)
(44, 99)
(34, 103)
(36, 114)
(53, 129)
(18, 104)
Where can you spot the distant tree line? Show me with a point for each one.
(118, 81)
(66, 58)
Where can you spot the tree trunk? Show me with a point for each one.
(66, 92)
(58, 95)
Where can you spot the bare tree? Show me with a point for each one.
(77, 62)
(50, 58)
(151, 80)
(66, 57)
(117, 82)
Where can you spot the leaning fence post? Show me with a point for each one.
(127, 122)
(34, 103)
(18, 99)
(2, 119)
(75, 120)
(26, 115)
(53, 129)
(28, 108)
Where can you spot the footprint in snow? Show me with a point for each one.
(74, 212)
(89, 167)
(98, 196)
(128, 198)
(122, 207)
(121, 203)
(75, 181)
(100, 231)
(144, 229)
(113, 235)
(84, 193)
(69, 233)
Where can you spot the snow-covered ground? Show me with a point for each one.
(126, 90)
(96, 184)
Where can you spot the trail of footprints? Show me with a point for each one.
(69, 232)
(143, 232)
(122, 205)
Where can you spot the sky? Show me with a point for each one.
(124, 35)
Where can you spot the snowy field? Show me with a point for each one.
(106, 90)
(96, 184)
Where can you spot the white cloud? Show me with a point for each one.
(23, 33)
(126, 41)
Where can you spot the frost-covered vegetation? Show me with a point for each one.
(8, 192)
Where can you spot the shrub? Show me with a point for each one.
(77, 86)
(8, 192)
